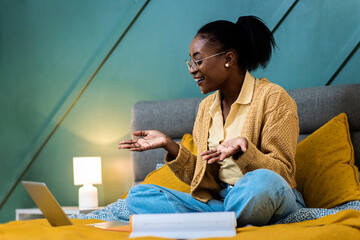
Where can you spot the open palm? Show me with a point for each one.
(225, 150)
(149, 139)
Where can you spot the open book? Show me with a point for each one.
(184, 225)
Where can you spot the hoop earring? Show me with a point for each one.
(227, 65)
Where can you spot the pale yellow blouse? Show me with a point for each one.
(219, 132)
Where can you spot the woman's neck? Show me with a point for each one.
(232, 89)
(230, 93)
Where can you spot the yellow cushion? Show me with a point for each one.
(325, 170)
(164, 177)
(188, 142)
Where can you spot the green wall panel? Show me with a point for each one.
(350, 74)
(49, 50)
(151, 58)
(314, 40)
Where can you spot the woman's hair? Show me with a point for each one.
(249, 37)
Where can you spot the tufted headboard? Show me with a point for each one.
(316, 106)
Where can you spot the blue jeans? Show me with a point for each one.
(258, 198)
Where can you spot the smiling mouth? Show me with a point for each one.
(199, 79)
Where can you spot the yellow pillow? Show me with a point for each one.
(164, 177)
(188, 142)
(325, 171)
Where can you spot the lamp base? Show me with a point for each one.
(88, 197)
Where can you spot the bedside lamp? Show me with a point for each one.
(87, 171)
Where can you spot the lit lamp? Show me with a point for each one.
(87, 171)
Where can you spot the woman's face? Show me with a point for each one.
(211, 73)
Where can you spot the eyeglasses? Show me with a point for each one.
(194, 64)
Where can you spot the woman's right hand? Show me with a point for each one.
(149, 139)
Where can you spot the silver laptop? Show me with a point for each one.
(46, 202)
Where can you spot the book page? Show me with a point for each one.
(110, 224)
(186, 234)
(184, 225)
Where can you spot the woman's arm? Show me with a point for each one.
(184, 164)
(150, 139)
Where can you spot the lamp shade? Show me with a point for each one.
(87, 170)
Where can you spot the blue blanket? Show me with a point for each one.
(305, 214)
(117, 211)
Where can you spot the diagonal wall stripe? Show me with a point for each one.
(27, 163)
(345, 54)
(339, 61)
(281, 13)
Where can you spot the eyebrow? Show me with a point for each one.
(194, 54)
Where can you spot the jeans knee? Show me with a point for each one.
(142, 190)
(257, 196)
(262, 184)
(264, 174)
(268, 180)
(140, 187)
(137, 195)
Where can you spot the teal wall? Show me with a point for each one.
(50, 49)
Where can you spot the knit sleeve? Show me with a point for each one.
(183, 166)
(277, 141)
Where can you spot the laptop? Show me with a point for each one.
(46, 202)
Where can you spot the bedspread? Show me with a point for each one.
(305, 214)
(342, 225)
(117, 212)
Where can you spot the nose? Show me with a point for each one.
(192, 70)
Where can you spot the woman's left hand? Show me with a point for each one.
(225, 150)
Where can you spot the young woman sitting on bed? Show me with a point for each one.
(245, 134)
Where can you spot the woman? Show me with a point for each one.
(245, 133)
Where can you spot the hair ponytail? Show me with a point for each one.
(249, 37)
(256, 42)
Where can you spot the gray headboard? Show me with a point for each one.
(315, 105)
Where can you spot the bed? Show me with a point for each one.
(327, 159)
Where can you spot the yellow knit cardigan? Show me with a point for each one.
(271, 128)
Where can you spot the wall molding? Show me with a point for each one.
(280, 14)
(343, 57)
